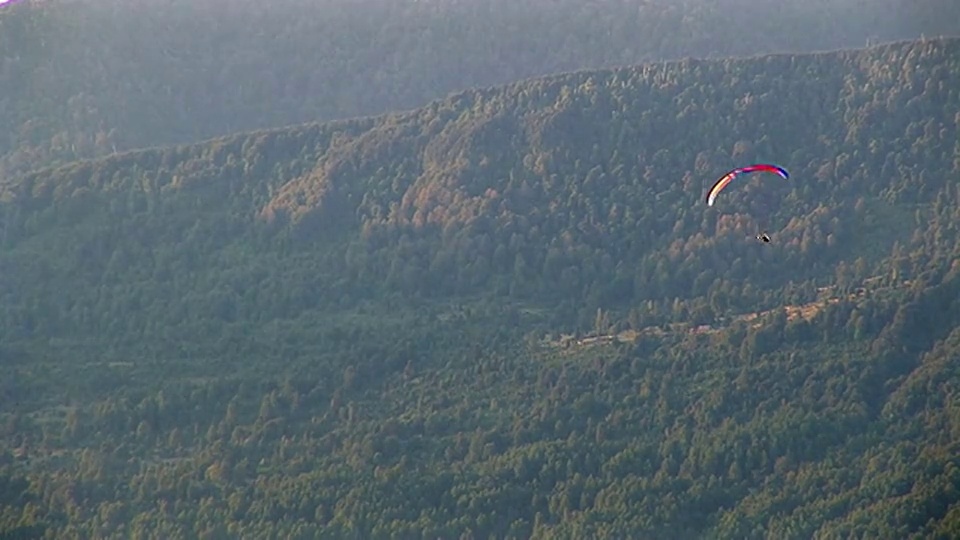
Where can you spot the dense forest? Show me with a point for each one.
(506, 314)
(86, 78)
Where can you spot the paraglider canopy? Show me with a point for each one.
(728, 177)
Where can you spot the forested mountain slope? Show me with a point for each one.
(361, 328)
(85, 78)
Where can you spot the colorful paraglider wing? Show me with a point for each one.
(728, 177)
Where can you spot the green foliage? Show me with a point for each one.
(507, 314)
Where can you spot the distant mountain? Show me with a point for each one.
(86, 78)
(505, 314)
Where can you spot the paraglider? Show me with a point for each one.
(729, 176)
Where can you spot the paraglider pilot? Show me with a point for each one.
(763, 236)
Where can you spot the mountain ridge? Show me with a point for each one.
(90, 78)
(364, 139)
